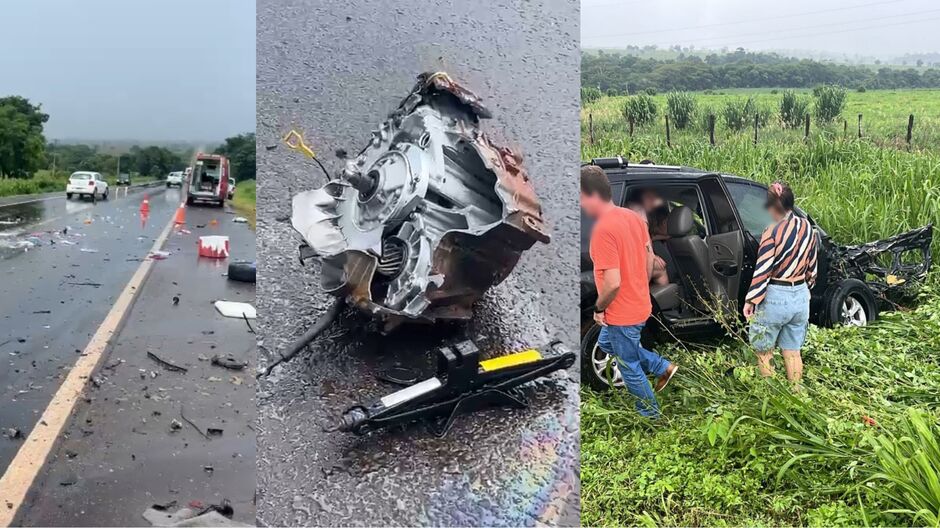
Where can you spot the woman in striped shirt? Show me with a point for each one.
(777, 303)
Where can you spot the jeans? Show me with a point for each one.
(635, 364)
(781, 319)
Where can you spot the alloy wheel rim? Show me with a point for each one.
(853, 312)
(599, 361)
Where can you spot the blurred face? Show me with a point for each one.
(776, 213)
(650, 201)
(592, 204)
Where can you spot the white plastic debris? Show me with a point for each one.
(240, 220)
(235, 309)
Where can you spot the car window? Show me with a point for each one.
(749, 200)
(80, 176)
(672, 195)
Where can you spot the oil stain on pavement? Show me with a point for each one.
(335, 72)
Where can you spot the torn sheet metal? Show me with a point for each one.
(427, 217)
(890, 267)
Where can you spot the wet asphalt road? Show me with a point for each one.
(119, 454)
(335, 71)
(56, 288)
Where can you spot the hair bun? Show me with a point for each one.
(776, 188)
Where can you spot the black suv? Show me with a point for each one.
(710, 233)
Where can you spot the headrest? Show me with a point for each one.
(679, 222)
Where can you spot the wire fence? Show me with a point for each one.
(905, 134)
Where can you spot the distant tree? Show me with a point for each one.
(240, 150)
(22, 145)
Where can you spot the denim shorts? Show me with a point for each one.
(781, 319)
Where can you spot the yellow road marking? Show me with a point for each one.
(29, 460)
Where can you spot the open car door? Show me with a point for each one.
(726, 242)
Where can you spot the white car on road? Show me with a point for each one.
(85, 183)
(175, 178)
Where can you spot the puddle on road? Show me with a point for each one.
(14, 216)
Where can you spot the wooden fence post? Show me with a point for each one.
(910, 128)
(668, 136)
(845, 128)
(631, 126)
(711, 129)
(591, 126)
(806, 128)
(756, 116)
(860, 126)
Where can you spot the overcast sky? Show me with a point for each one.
(118, 69)
(885, 28)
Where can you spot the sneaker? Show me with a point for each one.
(663, 380)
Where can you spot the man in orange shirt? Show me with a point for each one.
(623, 264)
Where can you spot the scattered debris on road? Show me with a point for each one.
(229, 362)
(12, 433)
(236, 309)
(242, 271)
(166, 364)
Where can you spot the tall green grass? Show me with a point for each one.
(857, 446)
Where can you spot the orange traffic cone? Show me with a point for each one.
(180, 217)
(145, 206)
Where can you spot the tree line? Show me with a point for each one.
(24, 150)
(618, 74)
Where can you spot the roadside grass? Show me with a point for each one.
(244, 200)
(44, 182)
(858, 447)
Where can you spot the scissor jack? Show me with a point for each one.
(463, 383)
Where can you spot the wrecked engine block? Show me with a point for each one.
(427, 217)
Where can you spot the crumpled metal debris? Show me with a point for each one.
(427, 217)
(890, 267)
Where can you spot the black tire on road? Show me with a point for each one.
(242, 271)
(106, 191)
(851, 291)
(68, 196)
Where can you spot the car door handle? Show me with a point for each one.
(727, 269)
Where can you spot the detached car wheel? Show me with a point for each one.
(596, 365)
(852, 303)
(241, 271)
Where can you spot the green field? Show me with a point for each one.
(884, 122)
(861, 445)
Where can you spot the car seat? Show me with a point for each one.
(691, 256)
